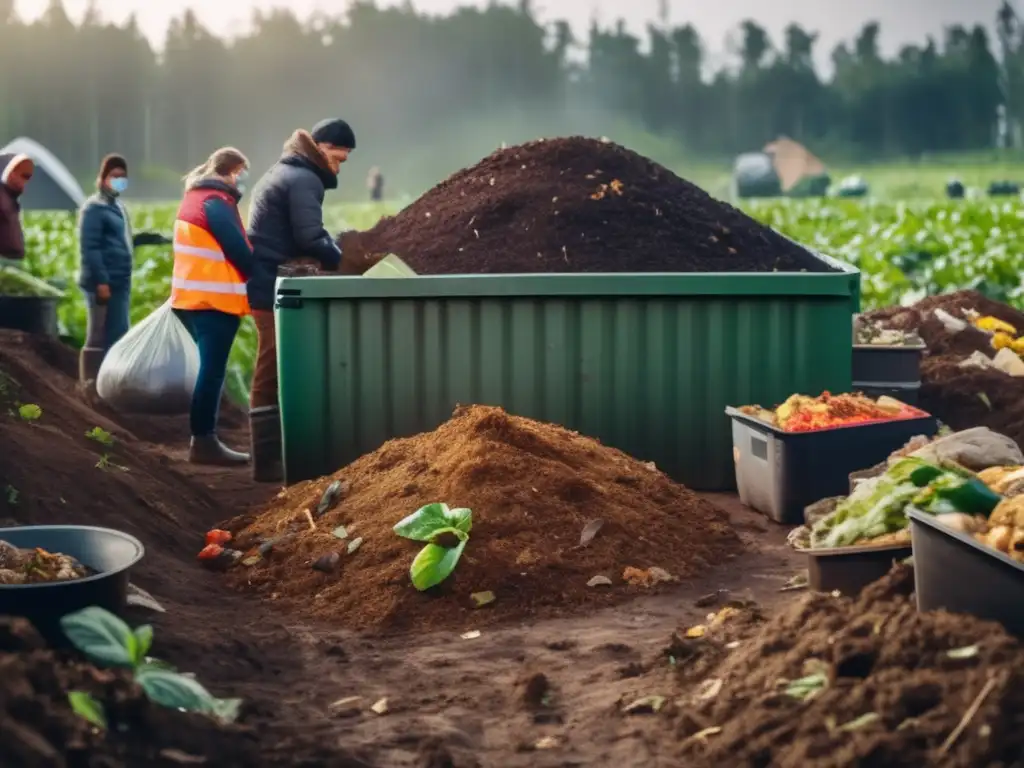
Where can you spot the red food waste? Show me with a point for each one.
(218, 536)
(211, 551)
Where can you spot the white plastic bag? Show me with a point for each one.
(153, 368)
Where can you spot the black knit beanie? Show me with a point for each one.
(110, 163)
(334, 131)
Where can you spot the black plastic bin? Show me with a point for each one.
(905, 393)
(110, 552)
(954, 572)
(779, 473)
(877, 363)
(33, 314)
(850, 569)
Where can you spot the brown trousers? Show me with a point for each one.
(264, 377)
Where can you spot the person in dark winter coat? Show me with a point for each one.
(286, 224)
(106, 245)
(15, 173)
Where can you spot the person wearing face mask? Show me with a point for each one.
(107, 246)
(15, 173)
(212, 262)
(286, 224)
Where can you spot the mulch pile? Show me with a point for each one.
(532, 488)
(40, 730)
(962, 397)
(895, 693)
(575, 205)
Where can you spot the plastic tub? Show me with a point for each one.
(850, 569)
(779, 473)
(954, 572)
(874, 363)
(110, 552)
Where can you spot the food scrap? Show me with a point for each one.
(801, 413)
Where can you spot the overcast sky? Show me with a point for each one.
(902, 20)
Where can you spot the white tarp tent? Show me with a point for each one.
(52, 188)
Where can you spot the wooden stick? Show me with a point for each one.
(968, 716)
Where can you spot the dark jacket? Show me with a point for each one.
(107, 244)
(225, 224)
(286, 216)
(12, 238)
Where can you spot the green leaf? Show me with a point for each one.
(434, 564)
(101, 636)
(422, 524)
(176, 691)
(86, 707)
(30, 412)
(448, 537)
(144, 641)
(461, 518)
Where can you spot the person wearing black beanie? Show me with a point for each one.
(286, 225)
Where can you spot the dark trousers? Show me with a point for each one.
(107, 323)
(214, 333)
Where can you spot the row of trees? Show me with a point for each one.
(427, 94)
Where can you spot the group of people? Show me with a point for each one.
(222, 270)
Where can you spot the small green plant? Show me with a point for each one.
(30, 412)
(446, 532)
(12, 495)
(101, 436)
(108, 642)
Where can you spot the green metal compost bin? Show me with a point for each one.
(644, 362)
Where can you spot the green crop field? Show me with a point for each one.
(905, 248)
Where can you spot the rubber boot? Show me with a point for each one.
(89, 361)
(210, 451)
(265, 444)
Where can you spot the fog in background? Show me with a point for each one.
(430, 93)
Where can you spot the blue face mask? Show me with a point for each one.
(119, 184)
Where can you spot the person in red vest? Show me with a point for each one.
(212, 262)
(15, 173)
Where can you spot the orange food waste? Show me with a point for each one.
(211, 551)
(218, 536)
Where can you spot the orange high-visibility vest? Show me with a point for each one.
(203, 277)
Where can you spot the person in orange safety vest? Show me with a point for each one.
(212, 262)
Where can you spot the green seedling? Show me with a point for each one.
(446, 532)
(108, 642)
(101, 436)
(29, 412)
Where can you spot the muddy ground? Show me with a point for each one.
(451, 702)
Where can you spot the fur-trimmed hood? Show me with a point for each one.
(301, 150)
(8, 162)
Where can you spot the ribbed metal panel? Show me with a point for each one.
(650, 375)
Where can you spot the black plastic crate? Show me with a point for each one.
(954, 572)
(905, 393)
(779, 473)
(876, 363)
(850, 569)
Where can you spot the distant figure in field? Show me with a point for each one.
(15, 173)
(375, 183)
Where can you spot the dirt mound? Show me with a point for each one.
(532, 487)
(52, 471)
(899, 684)
(962, 397)
(575, 205)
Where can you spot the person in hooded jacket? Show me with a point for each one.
(285, 225)
(107, 246)
(15, 173)
(212, 262)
